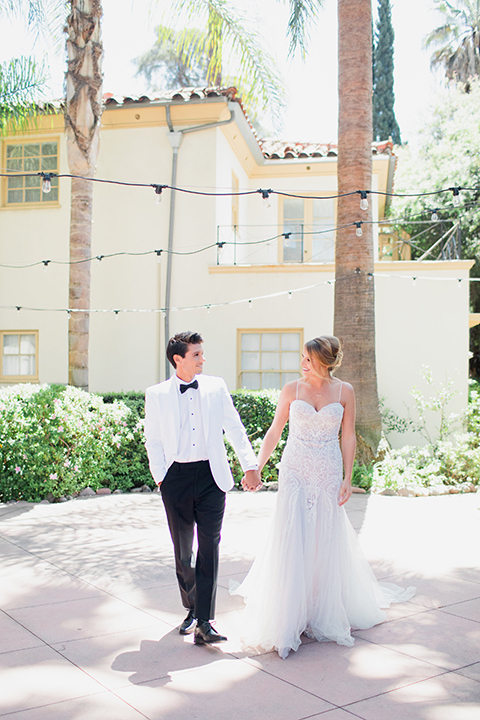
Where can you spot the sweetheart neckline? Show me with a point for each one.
(312, 406)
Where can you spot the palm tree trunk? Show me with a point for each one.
(82, 123)
(354, 322)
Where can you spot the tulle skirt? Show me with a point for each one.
(311, 577)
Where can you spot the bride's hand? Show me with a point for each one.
(345, 492)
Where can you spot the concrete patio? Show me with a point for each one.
(90, 609)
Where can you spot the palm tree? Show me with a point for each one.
(354, 320)
(83, 110)
(354, 256)
(457, 39)
(223, 33)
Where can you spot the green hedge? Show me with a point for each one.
(57, 440)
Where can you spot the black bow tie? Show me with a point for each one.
(193, 385)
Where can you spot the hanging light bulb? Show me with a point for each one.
(434, 216)
(289, 294)
(45, 265)
(250, 304)
(358, 231)
(414, 280)
(159, 255)
(158, 192)
(456, 196)
(286, 241)
(116, 314)
(265, 197)
(363, 200)
(47, 183)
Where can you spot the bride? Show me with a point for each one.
(312, 577)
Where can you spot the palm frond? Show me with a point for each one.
(302, 15)
(45, 18)
(214, 28)
(21, 83)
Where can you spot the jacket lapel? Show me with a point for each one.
(174, 424)
(204, 405)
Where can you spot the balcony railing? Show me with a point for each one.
(271, 245)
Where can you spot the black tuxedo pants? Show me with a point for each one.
(192, 498)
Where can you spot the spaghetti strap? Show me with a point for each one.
(340, 393)
(296, 397)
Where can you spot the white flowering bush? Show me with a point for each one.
(57, 440)
(450, 459)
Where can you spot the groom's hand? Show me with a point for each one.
(252, 480)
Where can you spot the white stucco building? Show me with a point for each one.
(251, 340)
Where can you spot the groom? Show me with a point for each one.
(185, 418)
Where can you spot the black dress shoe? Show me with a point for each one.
(206, 635)
(188, 624)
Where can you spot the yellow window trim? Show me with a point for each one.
(18, 378)
(269, 330)
(27, 141)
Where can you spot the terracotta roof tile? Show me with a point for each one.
(271, 149)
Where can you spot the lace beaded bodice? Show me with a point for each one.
(315, 426)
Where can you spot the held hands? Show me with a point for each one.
(345, 492)
(252, 480)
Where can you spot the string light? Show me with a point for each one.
(158, 192)
(357, 271)
(159, 255)
(456, 196)
(434, 217)
(358, 231)
(47, 183)
(286, 241)
(99, 259)
(363, 200)
(265, 193)
(265, 196)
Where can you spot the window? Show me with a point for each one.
(268, 358)
(310, 223)
(30, 158)
(19, 355)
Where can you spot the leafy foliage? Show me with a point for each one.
(448, 155)
(21, 82)
(56, 440)
(384, 121)
(165, 66)
(457, 40)
(257, 410)
(225, 32)
(447, 460)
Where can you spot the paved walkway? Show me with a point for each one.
(89, 609)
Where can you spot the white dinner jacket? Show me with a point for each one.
(162, 428)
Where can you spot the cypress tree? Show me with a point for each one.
(384, 122)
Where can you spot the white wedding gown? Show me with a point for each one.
(312, 576)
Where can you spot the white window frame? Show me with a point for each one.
(262, 331)
(307, 250)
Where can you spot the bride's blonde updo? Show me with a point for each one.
(326, 350)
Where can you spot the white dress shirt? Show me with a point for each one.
(192, 446)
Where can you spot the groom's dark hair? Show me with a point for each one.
(178, 344)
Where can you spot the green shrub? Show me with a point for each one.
(57, 440)
(257, 410)
(362, 476)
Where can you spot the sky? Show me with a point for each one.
(311, 113)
